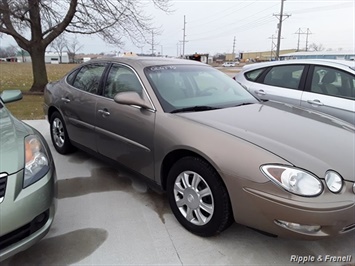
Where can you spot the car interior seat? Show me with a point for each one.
(315, 85)
(327, 85)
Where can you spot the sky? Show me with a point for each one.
(212, 26)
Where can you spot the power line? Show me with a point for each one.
(231, 12)
(240, 28)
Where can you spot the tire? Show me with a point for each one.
(59, 134)
(198, 197)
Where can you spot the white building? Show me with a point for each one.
(54, 58)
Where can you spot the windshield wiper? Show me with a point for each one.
(194, 109)
(242, 104)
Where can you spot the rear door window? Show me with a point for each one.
(88, 78)
(284, 76)
(334, 82)
(253, 75)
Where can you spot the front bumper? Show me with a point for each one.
(263, 205)
(26, 215)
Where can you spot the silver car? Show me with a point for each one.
(27, 182)
(220, 154)
(326, 86)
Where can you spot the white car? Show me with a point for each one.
(327, 86)
(228, 64)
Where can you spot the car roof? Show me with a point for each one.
(144, 61)
(329, 62)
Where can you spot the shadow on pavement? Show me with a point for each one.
(104, 179)
(64, 249)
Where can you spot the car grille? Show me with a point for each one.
(24, 231)
(3, 181)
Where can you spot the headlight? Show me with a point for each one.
(36, 160)
(334, 181)
(294, 180)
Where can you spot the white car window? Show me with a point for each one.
(254, 74)
(334, 82)
(284, 76)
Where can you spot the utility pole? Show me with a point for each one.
(281, 18)
(234, 48)
(184, 37)
(299, 32)
(273, 47)
(307, 33)
(153, 43)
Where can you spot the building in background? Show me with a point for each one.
(342, 55)
(262, 56)
(55, 58)
(204, 58)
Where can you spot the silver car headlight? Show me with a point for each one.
(36, 160)
(334, 181)
(294, 180)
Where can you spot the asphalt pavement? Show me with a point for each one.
(106, 216)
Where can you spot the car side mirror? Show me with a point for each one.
(8, 96)
(131, 98)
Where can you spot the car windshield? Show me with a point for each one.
(195, 88)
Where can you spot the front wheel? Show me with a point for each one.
(198, 197)
(59, 134)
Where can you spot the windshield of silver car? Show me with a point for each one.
(195, 88)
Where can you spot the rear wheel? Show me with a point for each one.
(198, 197)
(59, 134)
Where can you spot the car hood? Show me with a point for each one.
(12, 137)
(304, 138)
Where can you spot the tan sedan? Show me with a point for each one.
(220, 154)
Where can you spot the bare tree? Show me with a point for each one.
(9, 51)
(73, 48)
(34, 24)
(316, 47)
(58, 45)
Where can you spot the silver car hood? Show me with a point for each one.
(302, 137)
(12, 136)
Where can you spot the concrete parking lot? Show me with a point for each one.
(106, 216)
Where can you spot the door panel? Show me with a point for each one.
(280, 83)
(338, 107)
(79, 110)
(265, 92)
(125, 133)
(331, 91)
(79, 105)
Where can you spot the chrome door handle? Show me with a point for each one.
(66, 100)
(104, 112)
(260, 92)
(315, 102)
